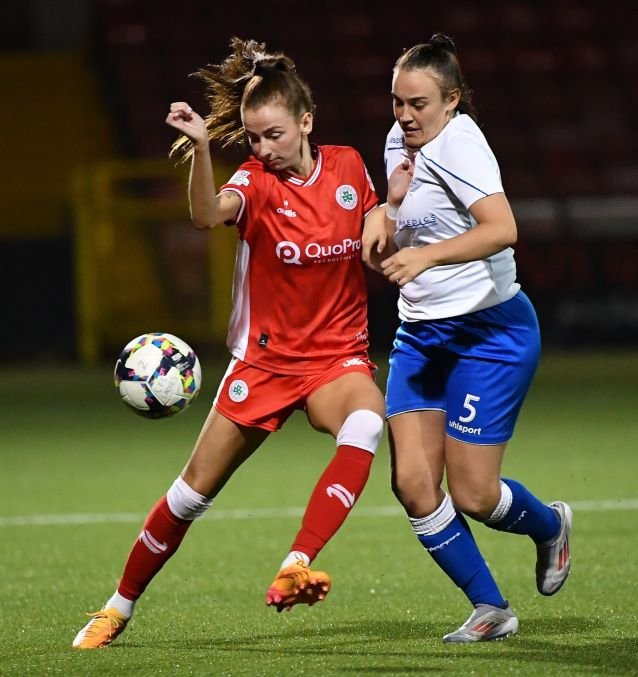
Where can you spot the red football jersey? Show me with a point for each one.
(299, 292)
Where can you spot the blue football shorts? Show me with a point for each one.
(476, 367)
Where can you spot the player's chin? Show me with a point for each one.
(276, 165)
(413, 143)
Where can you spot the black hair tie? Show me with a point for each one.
(443, 41)
(265, 66)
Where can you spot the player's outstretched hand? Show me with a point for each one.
(188, 122)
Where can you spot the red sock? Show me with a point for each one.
(160, 537)
(334, 495)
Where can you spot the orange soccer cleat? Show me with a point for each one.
(297, 584)
(101, 630)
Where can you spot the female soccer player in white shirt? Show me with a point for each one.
(468, 344)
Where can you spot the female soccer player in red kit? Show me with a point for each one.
(298, 330)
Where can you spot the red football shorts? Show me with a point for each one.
(262, 399)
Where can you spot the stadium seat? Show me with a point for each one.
(540, 73)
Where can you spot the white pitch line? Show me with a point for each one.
(264, 513)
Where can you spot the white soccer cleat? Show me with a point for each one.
(553, 558)
(486, 623)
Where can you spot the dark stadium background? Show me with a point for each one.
(554, 82)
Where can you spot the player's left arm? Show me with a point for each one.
(495, 230)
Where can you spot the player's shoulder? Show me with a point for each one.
(335, 152)
(463, 151)
(460, 139)
(463, 129)
(340, 160)
(249, 171)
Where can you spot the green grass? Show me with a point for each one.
(67, 446)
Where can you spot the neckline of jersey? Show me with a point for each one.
(298, 180)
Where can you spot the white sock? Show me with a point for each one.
(503, 507)
(437, 521)
(294, 557)
(123, 605)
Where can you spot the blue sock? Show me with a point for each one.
(447, 537)
(520, 512)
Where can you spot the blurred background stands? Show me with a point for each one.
(554, 84)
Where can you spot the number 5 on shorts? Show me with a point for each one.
(470, 407)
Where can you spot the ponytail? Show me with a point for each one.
(248, 78)
(439, 55)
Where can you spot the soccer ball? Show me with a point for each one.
(157, 375)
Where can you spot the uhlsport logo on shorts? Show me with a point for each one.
(238, 390)
(347, 196)
(464, 428)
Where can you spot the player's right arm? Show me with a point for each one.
(377, 238)
(207, 207)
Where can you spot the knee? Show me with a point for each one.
(404, 485)
(362, 429)
(477, 503)
(186, 503)
(416, 494)
(406, 494)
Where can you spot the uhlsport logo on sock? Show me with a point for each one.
(517, 520)
(340, 492)
(152, 543)
(445, 543)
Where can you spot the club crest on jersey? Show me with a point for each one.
(240, 178)
(238, 390)
(347, 197)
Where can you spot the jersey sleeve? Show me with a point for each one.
(369, 196)
(245, 182)
(469, 167)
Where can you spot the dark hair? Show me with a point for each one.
(439, 54)
(248, 78)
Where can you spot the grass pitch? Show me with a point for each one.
(78, 473)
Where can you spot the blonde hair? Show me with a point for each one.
(248, 78)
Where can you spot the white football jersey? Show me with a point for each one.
(451, 172)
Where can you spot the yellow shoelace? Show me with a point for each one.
(95, 626)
